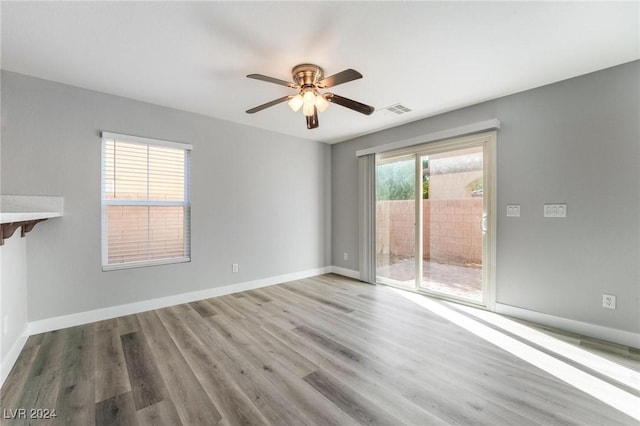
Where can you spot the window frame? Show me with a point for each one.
(105, 203)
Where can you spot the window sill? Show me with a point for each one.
(144, 264)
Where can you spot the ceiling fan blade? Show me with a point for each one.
(349, 103)
(312, 121)
(339, 78)
(273, 80)
(269, 104)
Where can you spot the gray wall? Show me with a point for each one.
(577, 142)
(259, 198)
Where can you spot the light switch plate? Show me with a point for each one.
(555, 210)
(513, 210)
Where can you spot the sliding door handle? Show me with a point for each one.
(483, 223)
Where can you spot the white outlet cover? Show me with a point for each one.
(608, 301)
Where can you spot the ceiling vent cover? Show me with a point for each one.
(398, 109)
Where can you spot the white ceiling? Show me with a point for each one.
(430, 56)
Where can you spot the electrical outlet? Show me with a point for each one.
(608, 301)
(234, 267)
(5, 324)
(346, 256)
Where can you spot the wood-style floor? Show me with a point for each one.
(319, 351)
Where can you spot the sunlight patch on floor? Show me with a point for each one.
(603, 366)
(600, 389)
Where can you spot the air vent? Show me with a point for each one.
(398, 109)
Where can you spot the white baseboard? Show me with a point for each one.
(56, 323)
(12, 356)
(345, 272)
(622, 337)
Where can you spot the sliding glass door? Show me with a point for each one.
(432, 217)
(396, 221)
(453, 224)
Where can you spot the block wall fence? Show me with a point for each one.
(451, 230)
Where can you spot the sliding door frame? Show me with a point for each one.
(489, 217)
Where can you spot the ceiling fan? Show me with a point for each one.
(308, 79)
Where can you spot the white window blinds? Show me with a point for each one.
(145, 202)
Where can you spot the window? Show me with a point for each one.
(145, 202)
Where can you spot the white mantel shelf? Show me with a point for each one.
(25, 211)
(21, 217)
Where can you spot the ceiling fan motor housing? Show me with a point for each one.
(307, 75)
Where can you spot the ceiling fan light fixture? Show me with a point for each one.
(309, 100)
(321, 103)
(296, 102)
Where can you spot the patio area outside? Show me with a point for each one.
(453, 280)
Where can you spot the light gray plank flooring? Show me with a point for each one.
(319, 351)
